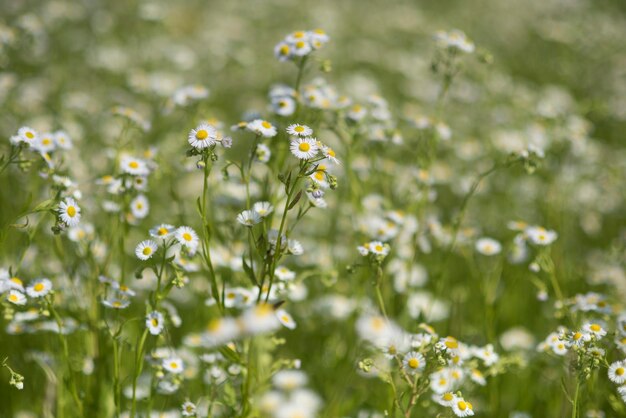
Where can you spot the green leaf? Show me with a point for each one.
(295, 200)
(249, 271)
(230, 354)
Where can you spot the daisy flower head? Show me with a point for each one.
(39, 288)
(413, 362)
(282, 51)
(445, 399)
(62, 140)
(330, 154)
(318, 38)
(462, 408)
(173, 365)
(187, 237)
(134, 166)
(263, 209)
(304, 148)
(249, 218)
(202, 136)
(140, 206)
(299, 130)
(259, 319)
(155, 322)
(116, 303)
(69, 212)
(541, 236)
(262, 127)
(594, 329)
(45, 143)
(617, 372)
(262, 153)
(146, 249)
(162, 231)
(188, 409)
(283, 106)
(285, 318)
(301, 47)
(488, 246)
(27, 135)
(16, 297)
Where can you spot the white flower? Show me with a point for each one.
(62, 140)
(187, 237)
(617, 372)
(541, 236)
(140, 206)
(263, 208)
(16, 297)
(69, 212)
(285, 319)
(259, 319)
(162, 231)
(188, 409)
(413, 362)
(462, 408)
(594, 329)
(173, 365)
(262, 153)
(304, 148)
(116, 303)
(155, 322)
(134, 166)
(203, 136)
(248, 218)
(27, 135)
(39, 288)
(288, 380)
(299, 130)
(488, 246)
(262, 127)
(45, 143)
(145, 249)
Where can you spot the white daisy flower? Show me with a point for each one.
(62, 140)
(140, 206)
(116, 303)
(203, 136)
(462, 408)
(69, 212)
(162, 231)
(134, 166)
(330, 154)
(617, 372)
(146, 249)
(45, 143)
(263, 209)
(301, 48)
(294, 247)
(283, 273)
(413, 362)
(282, 51)
(27, 135)
(155, 322)
(188, 409)
(16, 297)
(377, 247)
(262, 153)
(304, 148)
(39, 288)
(594, 329)
(445, 399)
(285, 318)
(187, 237)
(299, 130)
(259, 319)
(248, 218)
(288, 380)
(283, 106)
(541, 236)
(488, 246)
(262, 127)
(173, 365)
(356, 112)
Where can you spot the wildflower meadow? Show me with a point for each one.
(297, 209)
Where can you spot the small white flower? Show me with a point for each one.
(39, 288)
(155, 322)
(173, 365)
(146, 249)
(248, 218)
(617, 372)
(594, 329)
(16, 297)
(462, 408)
(187, 237)
(140, 206)
(304, 148)
(285, 319)
(299, 130)
(262, 127)
(134, 166)
(413, 362)
(263, 209)
(69, 212)
(541, 236)
(116, 303)
(203, 136)
(162, 231)
(188, 409)
(62, 140)
(488, 246)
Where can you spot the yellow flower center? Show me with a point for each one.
(13, 298)
(300, 44)
(154, 322)
(202, 134)
(38, 287)
(30, 135)
(133, 164)
(577, 336)
(442, 382)
(16, 280)
(285, 318)
(71, 211)
(46, 141)
(331, 153)
(378, 324)
(284, 50)
(447, 396)
(147, 251)
(619, 371)
(451, 343)
(378, 247)
(299, 129)
(266, 124)
(117, 304)
(304, 147)
(174, 365)
(414, 363)
(162, 231)
(595, 327)
(187, 236)
(462, 405)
